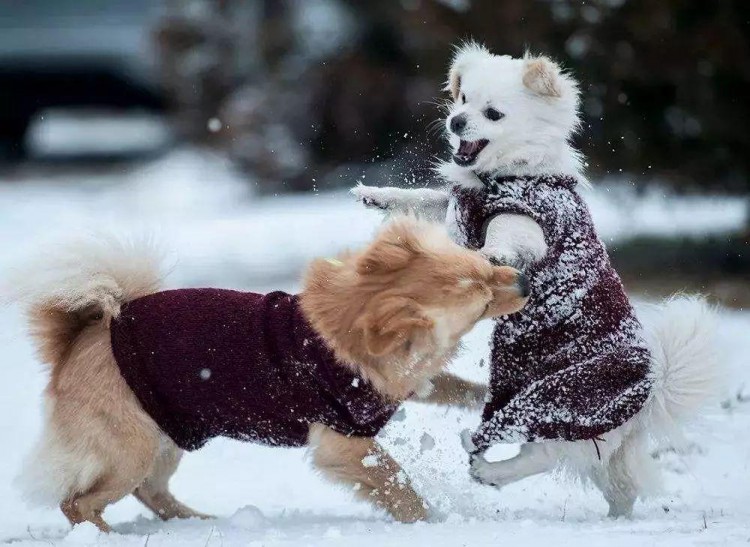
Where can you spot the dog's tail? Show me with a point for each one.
(65, 292)
(83, 283)
(686, 369)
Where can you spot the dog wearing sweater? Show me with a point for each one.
(139, 375)
(575, 378)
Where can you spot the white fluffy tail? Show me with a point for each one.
(686, 367)
(103, 272)
(68, 289)
(64, 292)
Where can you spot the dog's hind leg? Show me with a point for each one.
(108, 489)
(533, 459)
(71, 512)
(105, 441)
(616, 487)
(375, 476)
(620, 480)
(154, 491)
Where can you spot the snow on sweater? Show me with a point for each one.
(208, 362)
(572, 364)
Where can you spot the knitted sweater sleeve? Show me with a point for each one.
(545, 206)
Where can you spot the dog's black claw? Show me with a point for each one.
(518, 263)
(479, 480)
(496, 261)
(369, 202)
(484, 482)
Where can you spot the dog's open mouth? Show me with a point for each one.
(468, 151)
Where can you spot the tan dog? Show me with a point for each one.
(392, 314)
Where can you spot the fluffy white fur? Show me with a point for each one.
(54, 468)
(686, 365)
(424, 203)
(518, 239)
(686, 371)
(539, 103)
(540, 106)
(97, 270)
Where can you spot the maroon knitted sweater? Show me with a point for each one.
(572, 364)
(209, 362)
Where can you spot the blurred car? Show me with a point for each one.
(70, 54)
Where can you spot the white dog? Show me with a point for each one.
(582, 368)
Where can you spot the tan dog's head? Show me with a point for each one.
(408, 297)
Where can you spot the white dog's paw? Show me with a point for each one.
(468, 443)
(479, 468)
(373, 197)
(485, 472)
(506, 258)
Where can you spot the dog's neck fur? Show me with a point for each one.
(561, 160)
(332, 301)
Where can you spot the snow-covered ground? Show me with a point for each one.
(220, 235)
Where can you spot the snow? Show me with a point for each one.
(249, 518)
(221, 235)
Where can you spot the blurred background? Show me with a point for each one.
(233, 128)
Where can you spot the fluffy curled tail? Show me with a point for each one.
(686, 367)
(64, 292)
(68, 289)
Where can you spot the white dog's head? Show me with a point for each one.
(511, 116)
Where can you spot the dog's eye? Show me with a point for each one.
(493, 114)
(463, 98)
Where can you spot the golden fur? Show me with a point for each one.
(395, 311)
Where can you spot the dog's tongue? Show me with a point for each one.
(466, 148)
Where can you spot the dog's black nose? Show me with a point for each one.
(522, 282)
(458, 123)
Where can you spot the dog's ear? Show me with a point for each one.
(395, 246)
(463, 56)
(542, 76)
(393, 322)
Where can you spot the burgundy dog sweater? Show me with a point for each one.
(208, 362)
(572, 364)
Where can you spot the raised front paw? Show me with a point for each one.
(507, 259)
(374, 197)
